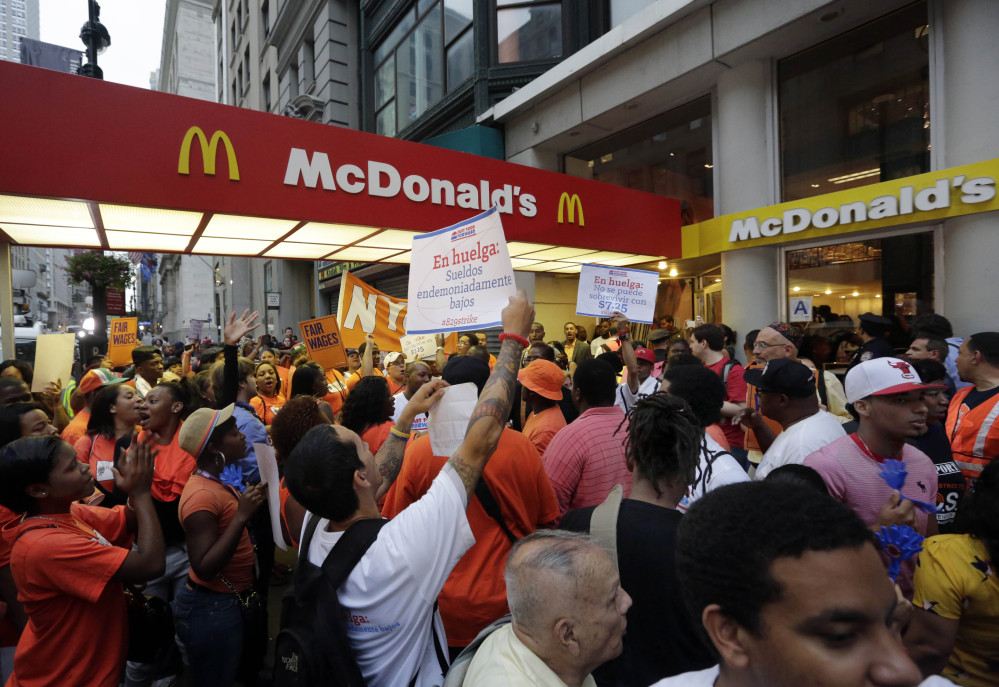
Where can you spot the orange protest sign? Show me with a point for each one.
(322, 339)
(364, 310)
(123, 338)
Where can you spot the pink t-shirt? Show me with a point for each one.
(854, 478)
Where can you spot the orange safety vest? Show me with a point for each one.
(974, 433)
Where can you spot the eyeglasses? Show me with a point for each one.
(763, 345)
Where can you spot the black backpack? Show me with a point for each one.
(312, 646)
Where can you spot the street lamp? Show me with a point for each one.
(95, 36)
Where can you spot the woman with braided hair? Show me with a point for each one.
(662, 452)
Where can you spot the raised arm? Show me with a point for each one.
(235, 329)
(389, 456)
(493, 409)
(620, 323)
(367, 360)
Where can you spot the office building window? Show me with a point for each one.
(265, 18)
(309, 64)
(528, 31)
(266, 87)
(855, 110)
(426, 54)
(669, 155)
(293, 89)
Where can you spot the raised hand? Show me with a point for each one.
(237, 328)
(518, 315)
(426, 396)
(251, 500)
(134, 474)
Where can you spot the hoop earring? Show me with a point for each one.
(219, 461)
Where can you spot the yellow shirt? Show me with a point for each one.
(503, 660)
(956, 580)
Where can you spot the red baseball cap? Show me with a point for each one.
(646, 355)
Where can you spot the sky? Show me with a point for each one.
(135, 27)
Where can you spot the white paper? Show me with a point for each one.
(419, 346)
(449, 418)
(602, 290)
(53, 360)
(460, 277)
(267, 464)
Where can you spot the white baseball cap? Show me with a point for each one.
(881, 377)
(392, 357)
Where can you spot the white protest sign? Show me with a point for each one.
(53, 360)
(267, 463)
(800, 309)
(419, 346)
(602, 290)
(449, 418)
(460, 277)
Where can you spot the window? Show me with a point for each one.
(239, 16)
(239, 79)
(293, 82)
(426, 54)
(232, 29)
(527, 31)
(669, 155)
(267, 91)
(855, 110)
(246, 61)
(265, 18)
(309, 64)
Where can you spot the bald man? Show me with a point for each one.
(568, 612)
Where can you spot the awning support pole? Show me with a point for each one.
(6, 302)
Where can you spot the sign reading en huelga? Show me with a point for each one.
(460, 276)
(602, 290)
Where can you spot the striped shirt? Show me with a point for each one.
(586, 459)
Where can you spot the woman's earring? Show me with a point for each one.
(220, 460)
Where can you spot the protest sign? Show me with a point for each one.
(322, 339)
(53, 360)
(267, 463)
(364, 310)
(123, 338)
(419, 346)
(194, 332)
(460, 276)
(602, 290)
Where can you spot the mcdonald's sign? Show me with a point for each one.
(574, 205)
(208, 151)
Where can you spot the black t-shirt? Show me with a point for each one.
(951, 484)
(975, 397)
(661, 640)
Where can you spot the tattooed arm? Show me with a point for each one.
(389, 456)
(493, 409)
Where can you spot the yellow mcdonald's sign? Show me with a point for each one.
(575, 204)
(208, 150)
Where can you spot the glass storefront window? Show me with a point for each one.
(427, 53)
(669, 155)
(527, 31)
(855, 109)
(890, 276)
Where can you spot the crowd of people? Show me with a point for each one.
(636, 508)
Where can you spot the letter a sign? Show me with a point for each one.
(801, 309)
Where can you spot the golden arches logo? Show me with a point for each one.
(208, 150)
(575, 205)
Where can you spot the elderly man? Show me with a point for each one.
(568, 612)
(775, 341)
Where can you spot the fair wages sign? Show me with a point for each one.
(322, 339)
(460, 276)
(123, 338)
(364, 310)
(602, 290)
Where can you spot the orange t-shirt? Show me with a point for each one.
(97, 451)
(174, 466)
(203, 494)
(283, 494)
(266, 406)
(285, 376)
(376, 436)
(76, 428)
(541, 427)
(341, 388)
(356, 377)
(475, 594)
(77, 632)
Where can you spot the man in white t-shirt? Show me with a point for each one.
(602, 336)
(418, 373)
(638, 381)
(786, 390)
(389, 597)
(790, 591)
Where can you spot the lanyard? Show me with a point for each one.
(868, 452)
(75, 524)
(209, 476)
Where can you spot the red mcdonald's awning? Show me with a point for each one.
(90, 163)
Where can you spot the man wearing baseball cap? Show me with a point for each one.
(887, 396)
(639, 381)
(786, 392)
(542, 382)
(872, 330)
